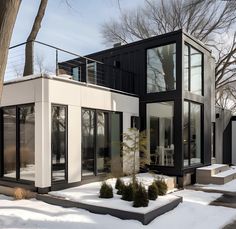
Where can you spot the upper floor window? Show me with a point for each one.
(161, 68)
(92, 73)
(192, 70)
(76, 73)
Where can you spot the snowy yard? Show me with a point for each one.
(192, 213)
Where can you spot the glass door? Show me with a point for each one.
(59, 142)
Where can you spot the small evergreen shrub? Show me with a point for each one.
(119, 183)
(106, 191)
(128, 192)
(162, 187)
(140, 197)
(152, 191)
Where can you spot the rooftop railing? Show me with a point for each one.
(38, 58)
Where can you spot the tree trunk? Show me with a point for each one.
(29, 48)
(8, 13)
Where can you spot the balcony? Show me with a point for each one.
(38, 58)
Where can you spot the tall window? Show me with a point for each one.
(161, 68)
(161, 133)
(9, 142)
(18, 130)
(27, 151)
(192, 133)
(192, 70)
(59, 142)
(100, 142)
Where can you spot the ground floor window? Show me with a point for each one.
(18, 141)
(192, 133)
(101, 133)
(160, 128)
(59, 142)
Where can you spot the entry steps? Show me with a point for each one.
(215, 174)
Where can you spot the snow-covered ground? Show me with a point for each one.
(193, 213)
(229, 187)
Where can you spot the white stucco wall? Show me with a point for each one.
(46, 91)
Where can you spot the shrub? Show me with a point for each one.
(128, 192)
(162, 187)
(119, 183)
(152, 191)
(140, 197)
(106, 191)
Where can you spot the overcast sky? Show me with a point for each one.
(75, 29)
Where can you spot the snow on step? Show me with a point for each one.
(226, 173)
(213, 166)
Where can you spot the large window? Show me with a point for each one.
(19, 142)
(192, 70)
(9, 142)
(27, 152)
(92, 73)
(161, 133)
(161, 69)
(76, 73)
(192, 133)
(59, 142)
(100, 141)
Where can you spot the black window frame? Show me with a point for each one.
(2, 177)
(65, 181)
(189, 47)
(95, 172)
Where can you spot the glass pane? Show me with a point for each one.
(92, 73)
(161, 69)
(76, 73)
(58, 143)
(27, 149)
(116, 166)
(102, 146)
(195, 133)
(88, 142)
(160, 125)
(196, 71)
(186, 67)
(9, 142)
(186, 134)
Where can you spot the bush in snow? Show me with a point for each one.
(119, 183)
(140, 197)
(106, 191)
(128, 192)
(152, 191)
(161, 186)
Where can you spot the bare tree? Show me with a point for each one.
(28, 68)
(8, 13)
(203, 19)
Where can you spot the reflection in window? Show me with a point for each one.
(59, 146)
(27, 149)
(76, 73)
(92, 73)
(160, 125)
(88, 142)
(9, 142)
(161, 69)
(192, 133)
(192, 70)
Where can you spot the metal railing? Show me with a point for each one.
(47, 59)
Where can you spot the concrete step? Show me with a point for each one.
(224, 177)
(204, 174)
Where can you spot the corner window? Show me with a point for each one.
(192, 70)
(161, 68)
(192, 133)
(160, 127)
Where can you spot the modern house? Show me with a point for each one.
(62, 130)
